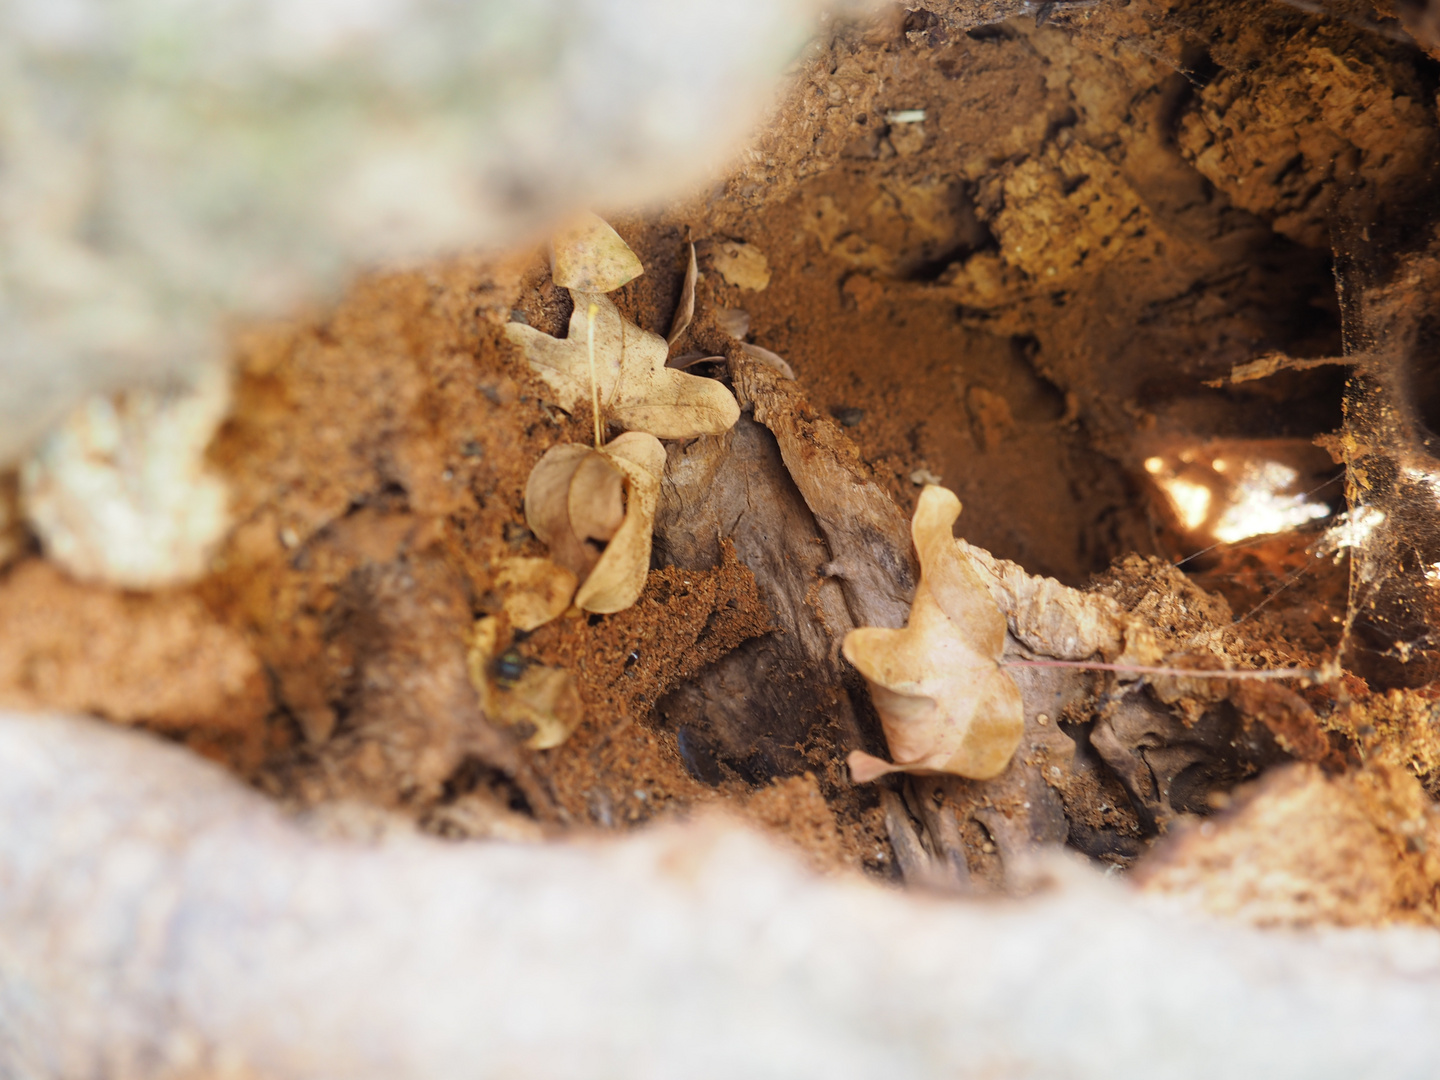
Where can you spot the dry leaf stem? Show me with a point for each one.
(590, 314)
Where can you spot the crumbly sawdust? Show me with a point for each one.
(161, 660)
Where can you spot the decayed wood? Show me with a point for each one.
(756, 708)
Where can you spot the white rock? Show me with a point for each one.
(120, 492)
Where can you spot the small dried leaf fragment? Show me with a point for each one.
(768, 358)
(734, 321)
(741, 264)
(535, 590)
(636, 389)
(685, 310)
(946, 704)
(578, 498)
(589, 256)
(541, 703)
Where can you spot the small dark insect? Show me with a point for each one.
(634, 656)
(509, 667)
(848, 415)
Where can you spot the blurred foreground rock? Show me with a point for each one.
(160, 920)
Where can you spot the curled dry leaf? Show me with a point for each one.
(589, 256)
(636, 389)
(768, 358)
(578, 499)
(685, 310)
(619, 576)
(534, 590)
(574, 502)
(734, 321)
(541, 704)
(945, 702)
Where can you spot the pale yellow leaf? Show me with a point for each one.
(619, 577)
(685, 310)
(534, 590)
(734, 321)
(636, 389)
(768, 358)
(547, 507)
(597, 499)
(589, 255)
(946, 704)
(542, 705)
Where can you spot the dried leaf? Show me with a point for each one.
(574, 528)
(768, 358)
(734, 321)
(741, 264)
(636, 389)
(589, 256)
(578, 498)
(945, 702)
(541, 703)
(535, 590)
(685, 311)
(619, 577)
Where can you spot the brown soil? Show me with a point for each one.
(1026, 294)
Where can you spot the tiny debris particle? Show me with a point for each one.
(922, 476)
(1042, 718)
(906, 116)
(472, 449)
(988, 848)
(289, 538)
